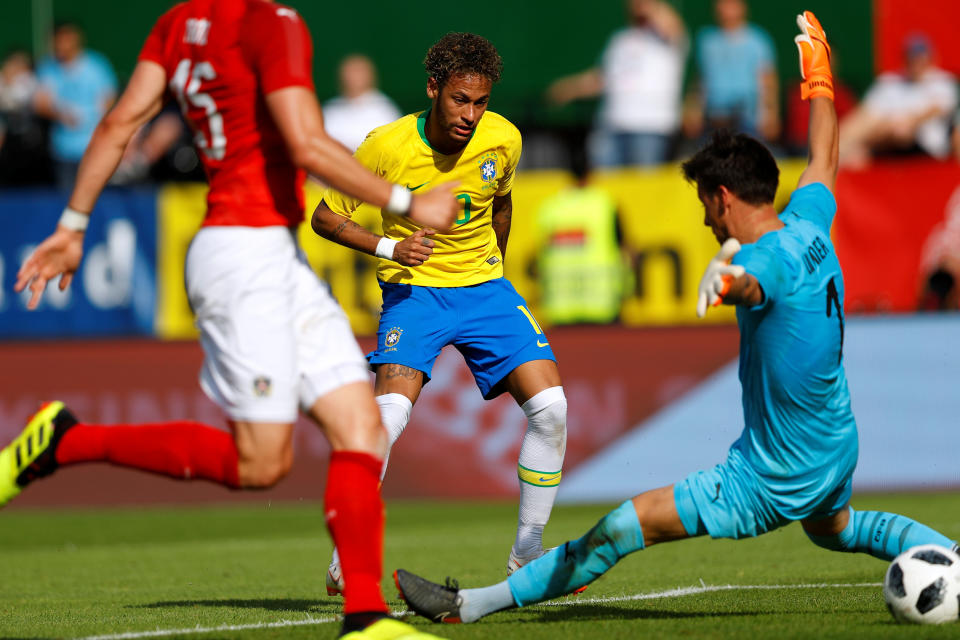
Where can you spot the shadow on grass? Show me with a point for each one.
(267, 604)
(600, 612)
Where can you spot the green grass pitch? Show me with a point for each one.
(260, 569)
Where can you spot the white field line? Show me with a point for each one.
(705, 588)
(571, 601)
(159, 633)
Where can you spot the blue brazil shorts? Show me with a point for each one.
(489, 324)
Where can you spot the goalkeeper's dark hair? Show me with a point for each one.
(465, 53)
(738, 162)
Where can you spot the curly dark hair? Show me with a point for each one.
(463, 53)
(739, 163)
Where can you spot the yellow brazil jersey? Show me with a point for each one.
(468, 253)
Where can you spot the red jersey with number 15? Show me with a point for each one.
(222, 57)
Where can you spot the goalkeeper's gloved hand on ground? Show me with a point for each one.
(716, 280)
(814, 58)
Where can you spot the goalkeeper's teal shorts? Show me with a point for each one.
(732, 501)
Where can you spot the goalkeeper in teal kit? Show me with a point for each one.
(796, 455)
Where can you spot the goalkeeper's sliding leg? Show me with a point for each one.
(725, 502)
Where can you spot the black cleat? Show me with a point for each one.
(435, 602)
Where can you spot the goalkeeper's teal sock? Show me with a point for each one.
(579, 562)
(883, 535)
(561, 570)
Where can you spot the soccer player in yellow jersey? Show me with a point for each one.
(448, 288)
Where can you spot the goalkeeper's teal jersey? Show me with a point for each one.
(800, 434)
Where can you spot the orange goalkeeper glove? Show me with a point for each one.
(814, 58)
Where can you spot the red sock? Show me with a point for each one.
(182, 450)
(354, 514)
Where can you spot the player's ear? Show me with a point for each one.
(724, 199)
(433, 89)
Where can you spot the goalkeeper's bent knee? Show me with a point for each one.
(883, 535)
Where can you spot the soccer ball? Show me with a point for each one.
(922, 585)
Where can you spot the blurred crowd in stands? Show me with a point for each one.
(648, 113)
(48, 110)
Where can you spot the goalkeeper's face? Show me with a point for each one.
(459, 104)
(714, 214)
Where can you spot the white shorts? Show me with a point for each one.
(272, 334)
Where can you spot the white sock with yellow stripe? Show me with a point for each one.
(541, 459)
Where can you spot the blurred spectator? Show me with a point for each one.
(149, 145)
(738, 86)
(22, 152)
(902, 112)
(580, 263)
(940, 262)
(640, 78)
(77, 87)
(360, 107)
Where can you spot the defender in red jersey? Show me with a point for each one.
(272, 335)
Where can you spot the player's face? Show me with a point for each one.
(459, 104)
(713, 215)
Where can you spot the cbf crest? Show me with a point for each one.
(392, 337)
(488, 169)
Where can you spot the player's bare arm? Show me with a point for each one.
(818, 88)
(298, 117)
(342, 230)
(412, 251)
(501, 218)
(61, 252)
(745, 290)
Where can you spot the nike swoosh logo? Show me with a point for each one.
(542, 479)
(542, 344)
(409, 188)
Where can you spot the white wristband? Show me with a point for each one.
(74, 220)
(385, 248)
(400, 200)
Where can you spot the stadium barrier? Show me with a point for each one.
(646, 407)
(456, 445)
(131, 282)
(114, 292)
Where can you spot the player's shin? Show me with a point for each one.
(883, 535)
(579, 562)
(539, 468)
(354, 514)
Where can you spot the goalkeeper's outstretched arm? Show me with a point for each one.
(818, 88)
(822, 160)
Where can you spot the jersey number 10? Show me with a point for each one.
(185, 85)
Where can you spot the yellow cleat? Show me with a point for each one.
(31, 454)
(389, 629)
